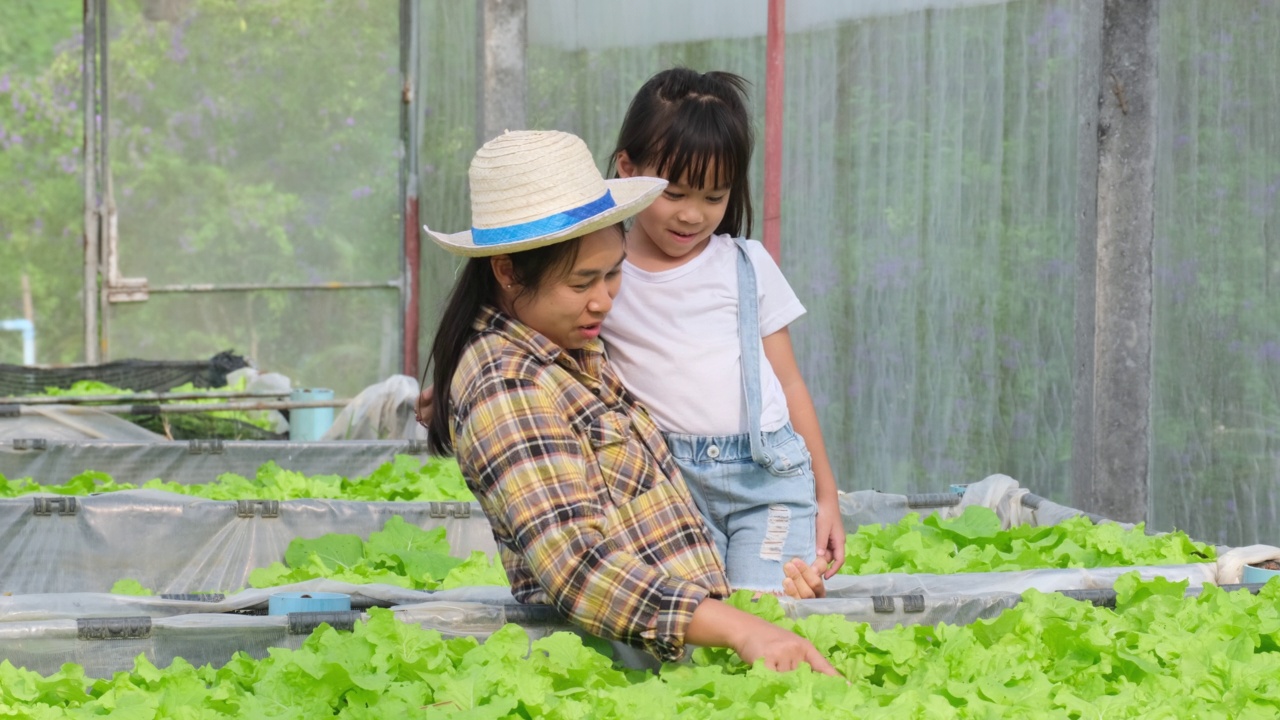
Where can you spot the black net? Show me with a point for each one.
(133, 375)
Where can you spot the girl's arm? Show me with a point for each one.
(831, 537)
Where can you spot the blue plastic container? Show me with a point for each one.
(288, 602)
(309, 424)
(1258, 575)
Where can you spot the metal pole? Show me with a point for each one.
(775, 77)
(89, 299)
(132, 397)
(410, 258)
(200, 408)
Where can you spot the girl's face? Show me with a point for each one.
(681, 220)
(568, 308)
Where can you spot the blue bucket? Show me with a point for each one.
(290, 602)
(1258, 575)
(309, 424)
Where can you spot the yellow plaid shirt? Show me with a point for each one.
(587, 505)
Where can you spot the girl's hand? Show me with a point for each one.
(831, 536)
(804, 581)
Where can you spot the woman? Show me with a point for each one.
(588, 508)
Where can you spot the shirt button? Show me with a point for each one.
(713, 452)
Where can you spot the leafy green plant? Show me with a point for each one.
(1157, 655)
(405, 478)
(974, 542)
(400, 554)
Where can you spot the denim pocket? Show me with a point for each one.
(790, 456)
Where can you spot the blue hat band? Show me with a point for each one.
(542, 226)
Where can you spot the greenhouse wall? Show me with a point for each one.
(929, 209)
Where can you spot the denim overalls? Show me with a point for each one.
(755, 490)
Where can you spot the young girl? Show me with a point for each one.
(588, 508)
(699, 334)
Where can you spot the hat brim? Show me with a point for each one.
(630, 196)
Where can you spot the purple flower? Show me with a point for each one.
(361, 192)
(351, 122)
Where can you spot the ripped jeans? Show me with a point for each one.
(759, 517)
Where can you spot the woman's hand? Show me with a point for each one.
(422, 409)
(781, 650)
(716, 624)
(804, 581)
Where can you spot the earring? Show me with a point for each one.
(508, 286)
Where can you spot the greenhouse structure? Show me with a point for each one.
(1032, 239)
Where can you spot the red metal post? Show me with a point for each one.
(412, 253)
(775, 51)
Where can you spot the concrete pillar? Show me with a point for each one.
(500, 67)
(1113, 371)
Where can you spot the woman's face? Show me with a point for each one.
(568, 308)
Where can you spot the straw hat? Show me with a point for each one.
(533, 188)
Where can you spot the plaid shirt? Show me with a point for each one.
(587, 506)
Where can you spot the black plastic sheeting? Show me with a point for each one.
(135, 375)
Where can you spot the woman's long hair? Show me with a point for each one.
(476, 287)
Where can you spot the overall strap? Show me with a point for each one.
(749, 338)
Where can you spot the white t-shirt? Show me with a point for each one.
(673, 338)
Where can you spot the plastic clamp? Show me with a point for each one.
(913, 603)
(144, 409)
(1098, 597)
(10, 410)
(416, 447)
(213, 446)
(46, 506)
(113, 628)
(930, 500)
(305, 623)
(520, 614)
(1032, 501)
(449, 508)
(882, 603)
(195, 597)
(258, 508)
(30, 444)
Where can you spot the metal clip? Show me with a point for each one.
(46, 506)
(260, 508)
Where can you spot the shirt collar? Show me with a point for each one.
(493, 320)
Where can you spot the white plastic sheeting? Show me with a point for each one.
(173, 543)
(53, 461)
(105, 632)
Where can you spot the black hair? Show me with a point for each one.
(476, 287)
(681, 122)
